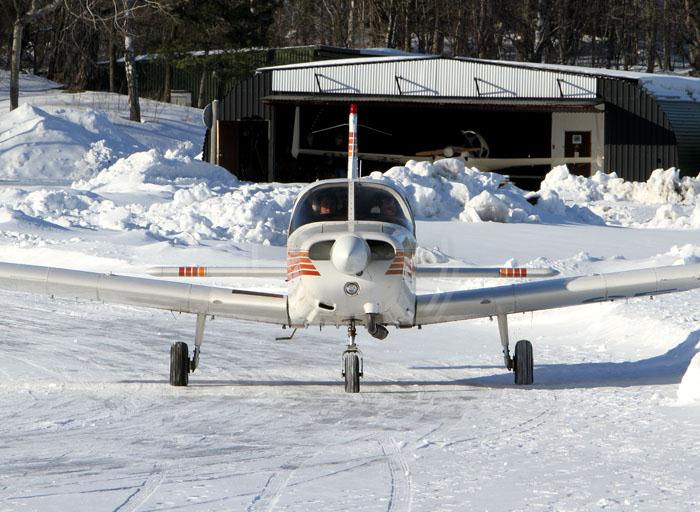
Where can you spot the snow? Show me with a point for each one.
(90, 422)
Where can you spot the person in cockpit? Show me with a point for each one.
(387, 206)
(323, 205)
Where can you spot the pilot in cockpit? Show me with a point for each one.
(323, 205)
(385, 207)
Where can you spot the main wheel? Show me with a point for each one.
(352, 372)
(523, 366)
(179, 364)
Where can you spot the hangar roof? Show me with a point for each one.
(432, 76)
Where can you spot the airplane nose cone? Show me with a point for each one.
(350, 254)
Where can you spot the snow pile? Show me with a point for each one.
(447, 190)
(67, 145)
(663, 186)
(249, 212)
(241, 213)
(689, 388)
(155, 170)
(665, 201)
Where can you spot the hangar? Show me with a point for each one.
(287, 123)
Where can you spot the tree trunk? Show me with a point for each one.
(112, 51)
(666, 62)
(542, 29)
(203, 81)
(132, 79)
(20, 22)
(692, 22)
(651, 36)
(14, 65)
(350, 42)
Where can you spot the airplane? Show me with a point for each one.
(350, 262)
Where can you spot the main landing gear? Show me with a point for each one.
(180, 363)
(522, 364)
(352, 362)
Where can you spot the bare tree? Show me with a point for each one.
(692, 24)
(25, 13)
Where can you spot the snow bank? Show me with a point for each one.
(447, 190)
(665, 201)
(65, 146)
(663, 186)
(155, 170)
(689, 388)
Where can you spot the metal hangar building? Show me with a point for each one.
(287, 123)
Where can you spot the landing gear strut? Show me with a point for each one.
(352, 362)
(180, 363)
(522, 364)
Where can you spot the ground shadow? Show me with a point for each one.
(667, 368)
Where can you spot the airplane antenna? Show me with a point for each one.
(352, 164)
(352, 142)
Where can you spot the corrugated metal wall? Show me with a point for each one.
(436, 77)
(244, 100)
(638, 135)
(684, 118)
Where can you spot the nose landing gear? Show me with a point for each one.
(352, 363)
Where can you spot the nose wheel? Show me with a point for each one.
(352, 363)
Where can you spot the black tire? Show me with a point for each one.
(523, 366)
(179, 364)
(352, 373)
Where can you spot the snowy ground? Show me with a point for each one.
(91, 423)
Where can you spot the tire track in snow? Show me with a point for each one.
(401, 499)
(277, 482)
(143, 493)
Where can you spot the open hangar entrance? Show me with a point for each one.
(392, 132)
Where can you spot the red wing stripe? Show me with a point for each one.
(512, 272)
(394, 272)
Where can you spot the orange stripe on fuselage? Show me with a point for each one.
(293, 275)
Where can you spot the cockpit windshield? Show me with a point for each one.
(323, 204)
(373, 202)
(379, 203)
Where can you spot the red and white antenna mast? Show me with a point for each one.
(352, 165)
(352, 143)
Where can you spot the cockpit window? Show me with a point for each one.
(373, 202)
(323, 204)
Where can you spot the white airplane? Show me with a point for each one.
(350, 262)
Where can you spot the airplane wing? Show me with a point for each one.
(436, 272)
(145, 292)
(197, 271)
(470, 272)
(435, 308)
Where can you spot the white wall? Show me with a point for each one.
(580, 122)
